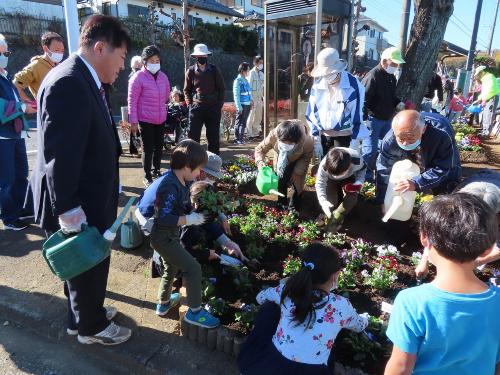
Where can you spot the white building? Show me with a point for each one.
(208, 11)
(371, 43)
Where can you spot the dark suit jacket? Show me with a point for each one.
(78, 149)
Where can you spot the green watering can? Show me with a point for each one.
(267, 181)
(130, 234)
(70, 255)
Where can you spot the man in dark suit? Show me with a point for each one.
(75, 180)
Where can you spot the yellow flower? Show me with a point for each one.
(426, 198)
(234, 168)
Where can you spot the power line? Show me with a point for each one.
(468, 29)
(468, 34)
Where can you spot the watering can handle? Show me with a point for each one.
(111, 232)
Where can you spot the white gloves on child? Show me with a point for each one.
(195, 218)
(365, 316)
(71, 221)
(327, 208)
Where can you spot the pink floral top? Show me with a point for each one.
(311, 344)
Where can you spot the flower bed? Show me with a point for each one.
(469, 144)
(273, 239)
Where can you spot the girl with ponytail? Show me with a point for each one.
(299, 319)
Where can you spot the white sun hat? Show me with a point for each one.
(328, 63)
(201, 50)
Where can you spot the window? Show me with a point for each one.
(109, 9)
(372, 33)
(257, 3)
(193, 21)
(137, 11)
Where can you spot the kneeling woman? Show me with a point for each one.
(299, 320)
(293, 150)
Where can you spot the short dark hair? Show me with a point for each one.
(459, 226)
(105, 29)
(49, 36)
(244, 66)
(290, 131)
(337, 161)
(257, 58)
(188, 153)
(149, 52)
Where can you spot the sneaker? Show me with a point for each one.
(112, 335)
(156, 174)
(16, 225)
(201, 318)
(147, 181)
(110, 314)
(162, 309)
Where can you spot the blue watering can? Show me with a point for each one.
(474, 108)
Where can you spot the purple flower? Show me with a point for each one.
(496, 272)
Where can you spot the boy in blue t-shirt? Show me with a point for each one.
(451, 325)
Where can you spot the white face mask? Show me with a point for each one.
(391, 69)
(55, 57)
(4, 60)
(153, 68)
(260, 66)
(285, 147)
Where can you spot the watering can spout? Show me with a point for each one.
(397, 202)
(276, 192)
(267, 182)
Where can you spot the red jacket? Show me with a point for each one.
(147, 97)
(457, 103)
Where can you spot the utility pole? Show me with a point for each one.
(492, 30)
(359, 9)
(72, 26)
(405, 19)
(472, 49)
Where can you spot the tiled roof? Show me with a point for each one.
(210, 5)
(254, 16)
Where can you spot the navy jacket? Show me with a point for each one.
(78, 149)
(440, 156)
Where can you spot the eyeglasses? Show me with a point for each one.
(6, 53)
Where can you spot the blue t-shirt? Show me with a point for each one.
(450, 333)
(146, 203)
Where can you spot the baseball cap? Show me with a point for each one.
(393, 54)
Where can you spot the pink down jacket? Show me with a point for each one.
(147, 97)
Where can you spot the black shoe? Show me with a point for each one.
(156, 174)
(16, 225)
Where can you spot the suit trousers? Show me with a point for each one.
(152, 146)
(13, 178)
(208, 115)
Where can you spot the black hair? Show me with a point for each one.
(337, 161)
(290, 131)
(244, 66)
(50, 36)
(188, 153)
(257, 58)
(149, 52)
(105, 29)
(320, 262)
(459, 226)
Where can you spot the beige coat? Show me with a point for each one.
(302, 153)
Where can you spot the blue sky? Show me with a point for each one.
(458, 31)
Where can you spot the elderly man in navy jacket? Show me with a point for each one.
(75, 180)
(427, 140)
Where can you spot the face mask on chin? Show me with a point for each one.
(285, 147)
(4, 60)
(153, 68)
(391, 69)
(410, 147)
(260, 67)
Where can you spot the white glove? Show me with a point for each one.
(365, 316)
(327, 208)
(71, 221)
(195, 219)
(318, 150)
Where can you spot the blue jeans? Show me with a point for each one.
(379, 129)
(13, 178)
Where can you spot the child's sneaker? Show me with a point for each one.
(201, 318)
(162, 309)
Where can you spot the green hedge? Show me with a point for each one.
(229, 38)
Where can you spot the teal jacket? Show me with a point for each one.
(242, 92)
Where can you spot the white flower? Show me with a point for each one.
(387, 250)
(416, 255)
(365, 274)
